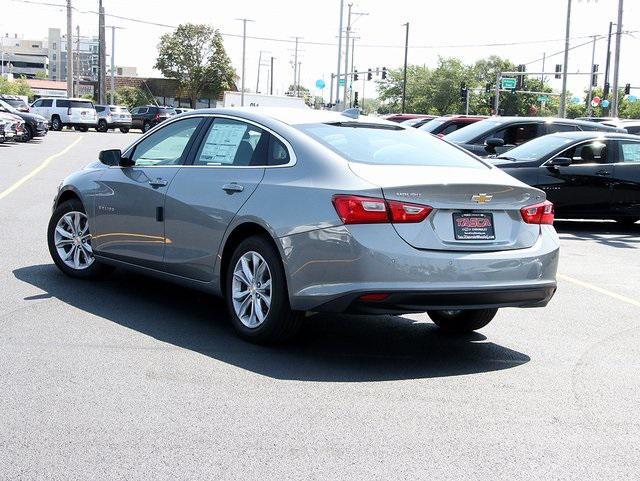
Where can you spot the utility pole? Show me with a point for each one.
(77, 92)
(244, 56)
(339, 52)
(346, 55)
(298, 82)
(466, 109)
(69, 52)
(563, 97)
(544, 58)
(113, 66)
(593, 59)
(271, 74)
(616, 63)
(608, 62)
(102, 55)
(295, 66)
(404, 76)
(259, 67)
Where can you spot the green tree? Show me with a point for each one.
(15, 87)
(132, 97)
(195, 56)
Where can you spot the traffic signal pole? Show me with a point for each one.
(565, 67)
(616, 63)
(593, 57)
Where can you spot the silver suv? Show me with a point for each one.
(113, 117)
(67, 112)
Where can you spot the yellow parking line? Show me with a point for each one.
(46, 162)
(606, 292)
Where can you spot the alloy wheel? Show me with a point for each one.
(73, 240)
(251, 289)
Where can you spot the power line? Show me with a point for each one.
(317, 43)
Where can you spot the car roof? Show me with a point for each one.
(505, 120)
(293, 116)
(585, 135)
(65, 98)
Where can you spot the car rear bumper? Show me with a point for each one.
(330, 269)
(119, 124)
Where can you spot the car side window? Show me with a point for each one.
(47, 103)
(628, 151)
(135, 110)
(595, 152)
(233, 143)
(278, 152)
(37, 103)
(516, 134)
(99, 109)
(555, 127)
(63, 104)
(166, 146)
(450, 128)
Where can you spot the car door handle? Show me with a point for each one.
(232, 187)
(158, 183)
(603, 173)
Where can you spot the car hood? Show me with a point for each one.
(29, 116)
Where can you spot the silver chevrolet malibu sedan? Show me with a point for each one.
(288, 212)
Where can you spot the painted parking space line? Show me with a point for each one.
(35, 171)
(595, 288)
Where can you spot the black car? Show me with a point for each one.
(497, 135)
(587, 175)
(16, 102)
(149, 116)
(34, 125)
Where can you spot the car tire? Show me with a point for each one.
(56, 123)
(146, 126)
(83, 267)
(28, 133)
(259, 306)
(102, 126)
(124, 130)
(83, 129)
(462, 321)
(627, 221)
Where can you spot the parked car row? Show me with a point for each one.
(17, 125)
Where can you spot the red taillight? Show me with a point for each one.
(157, 117)
(375, 297)
(354, 209)
(538, 213)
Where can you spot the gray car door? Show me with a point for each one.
(129, 210)
(205, 196)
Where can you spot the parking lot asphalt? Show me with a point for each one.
(133, 378)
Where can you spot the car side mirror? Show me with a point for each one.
(561, 162)
(113, 157)
(494, 142)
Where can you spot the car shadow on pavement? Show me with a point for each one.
(330, 347)
(611, 234)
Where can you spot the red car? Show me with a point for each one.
(402, 117)
(442, 126)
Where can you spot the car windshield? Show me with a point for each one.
(432, 125)
(17, 103)
(537, 148)
(118, 110)
(388, 145)
(470, 132)
(7, 107)
(80, 104)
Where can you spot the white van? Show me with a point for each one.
(66, 112)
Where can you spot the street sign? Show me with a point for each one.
(508, 83)
(575, 99)
(320, 84)
(341, 82)
(595, 101)
(632, 98)
(604, 103)
(543, 98)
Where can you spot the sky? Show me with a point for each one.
(457, 28)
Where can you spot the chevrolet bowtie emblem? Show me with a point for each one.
(481, 198)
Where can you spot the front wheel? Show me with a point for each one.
(69, 240)
(56, 123)
(124, 130)
(256, 294)
(146, 126)
(462, 321)
(102, 126)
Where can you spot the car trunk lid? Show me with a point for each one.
(473, 209)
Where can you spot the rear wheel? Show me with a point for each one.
(124, 130)
(69, 240)
(102, 126)
(56, 123)
(256, 294)
(146, 126)
(462, 321)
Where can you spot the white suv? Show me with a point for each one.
(61, 112)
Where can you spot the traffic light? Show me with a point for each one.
(384, 73)
(558, 70)
(355, 76)
(627, 89)
(594, 77)
(369, 75)
(520, 78)
(355, 99)
(463, 92)
(605, 93)
(487, 88)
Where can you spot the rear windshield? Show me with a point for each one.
(81, 104)
(118, 110)
(470, 132)
(15, 102)
(432, 125)
(388, 145)
(168, 110)
(537, 148)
